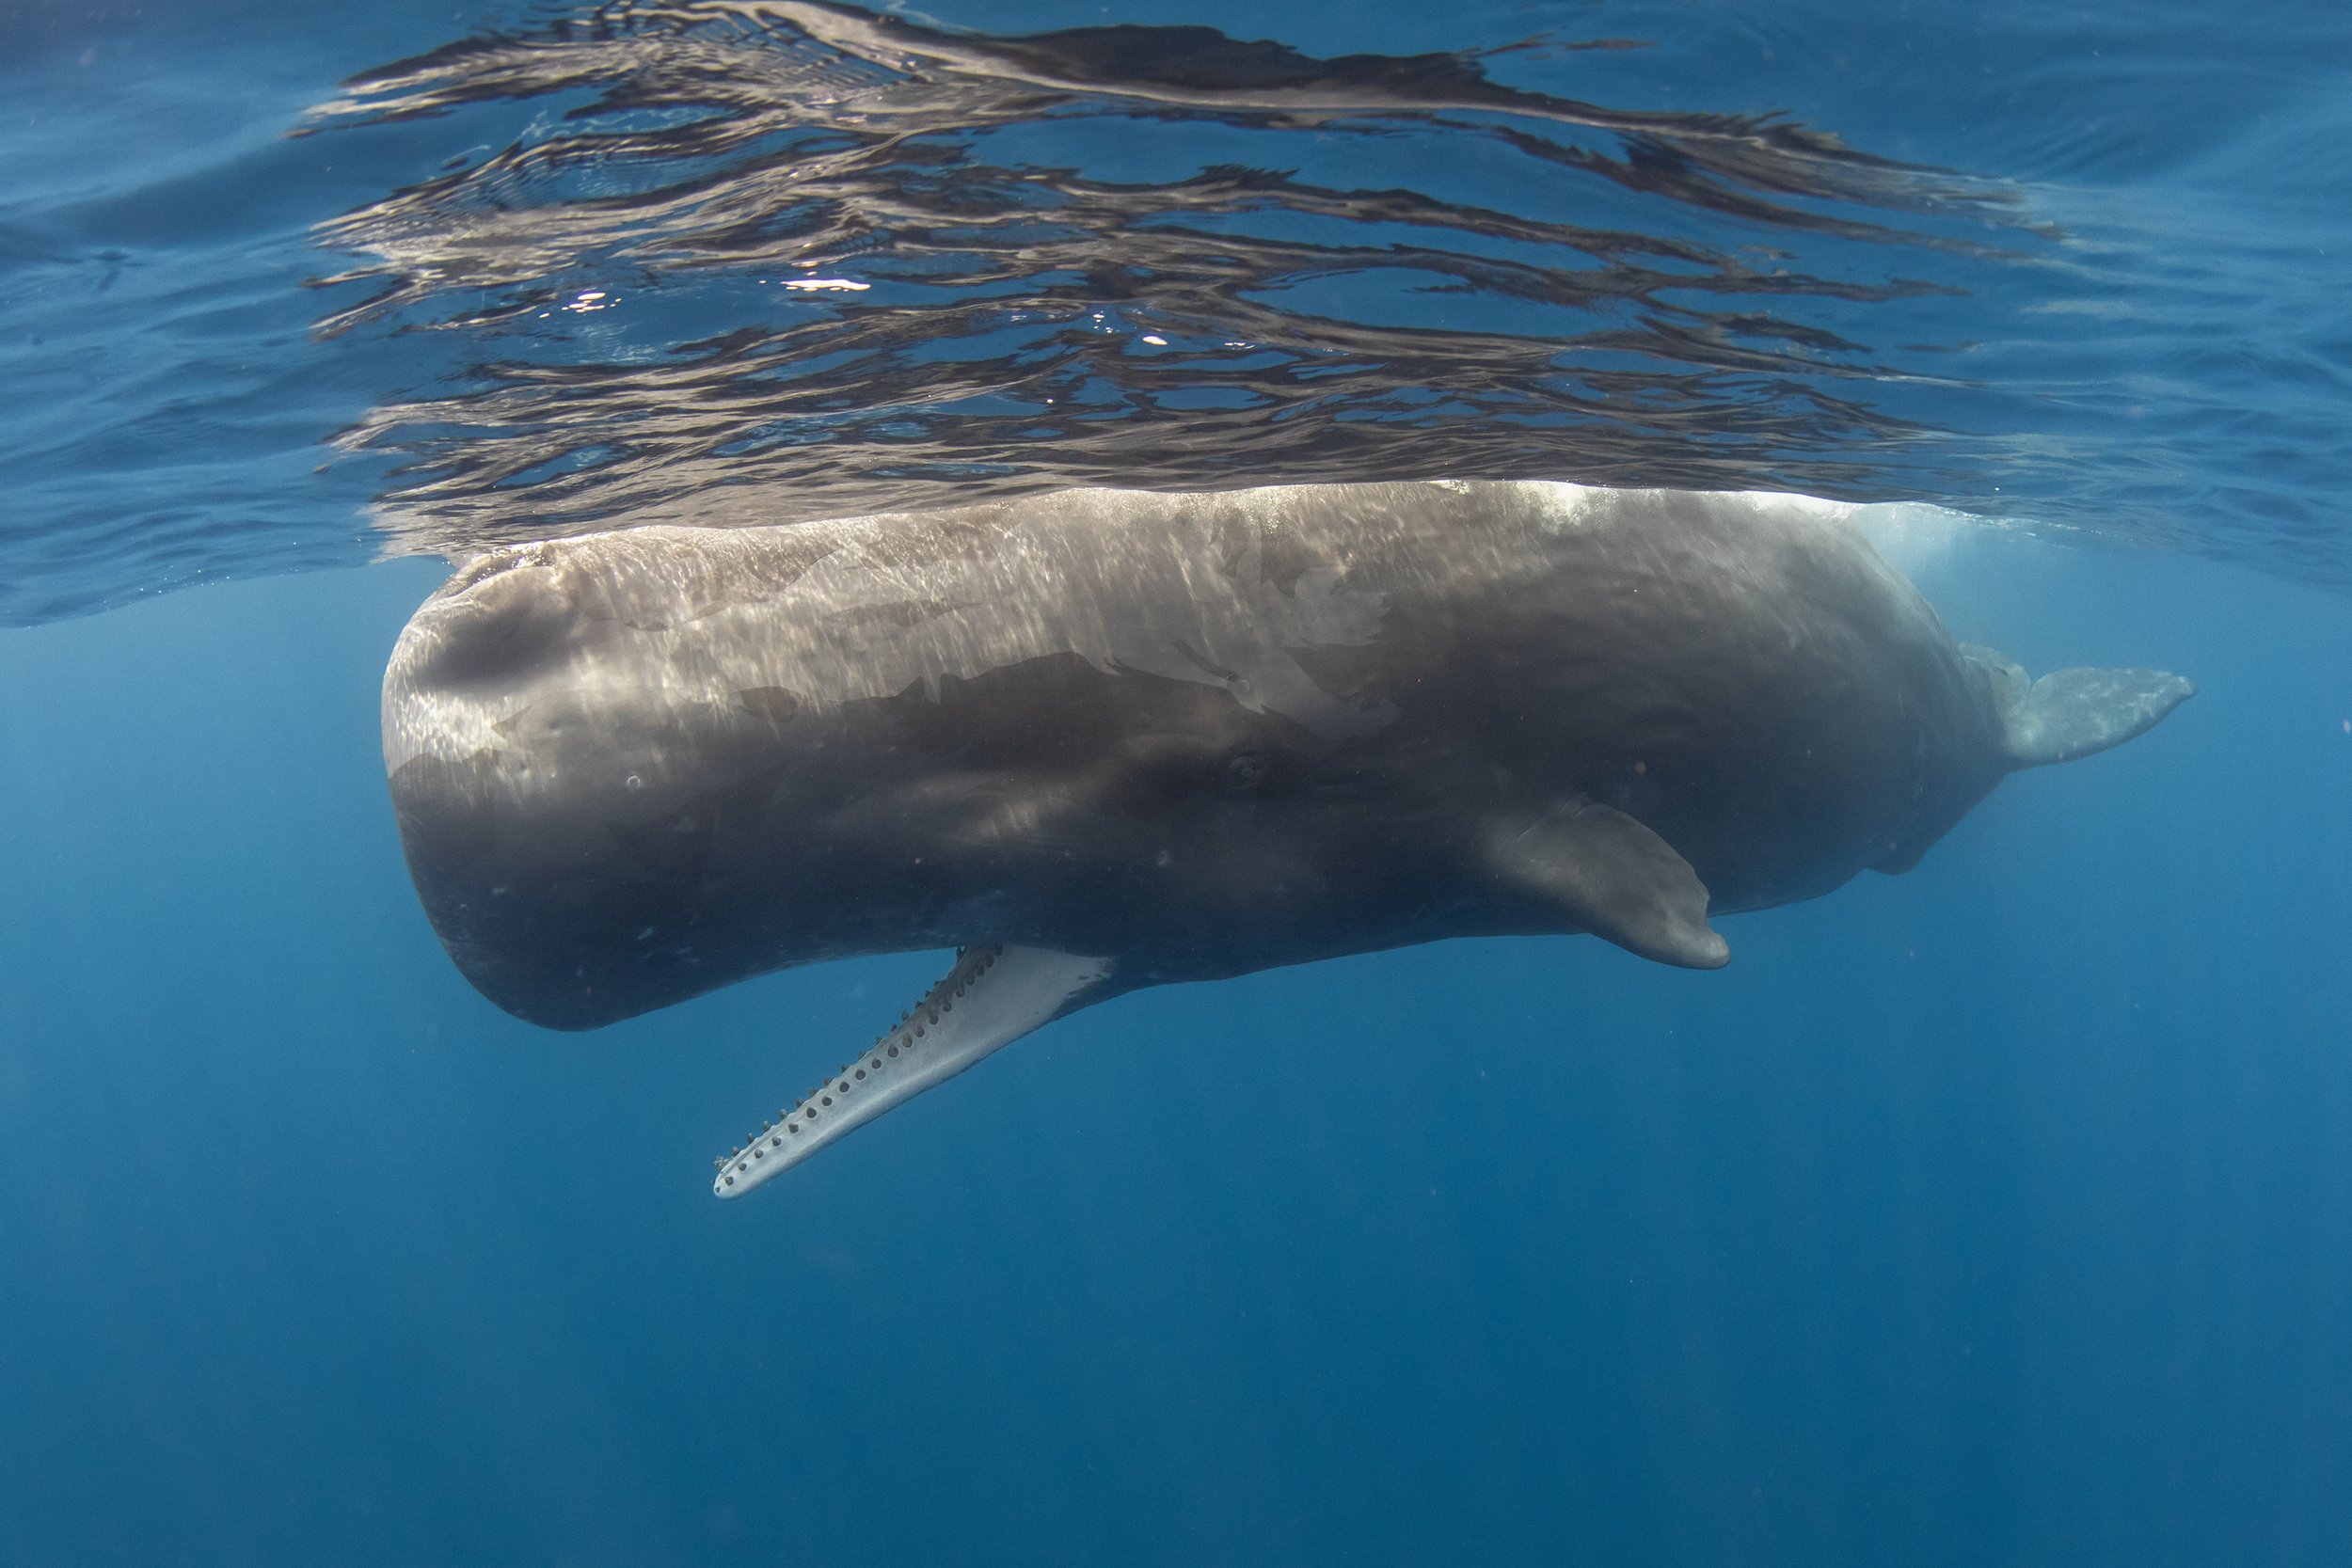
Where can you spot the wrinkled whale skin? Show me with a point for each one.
(1194, 735)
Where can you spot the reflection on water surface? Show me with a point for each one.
(836, 262)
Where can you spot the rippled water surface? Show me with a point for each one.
(277, 295)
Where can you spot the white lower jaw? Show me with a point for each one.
(991, 998)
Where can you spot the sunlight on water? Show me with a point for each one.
(540, 270)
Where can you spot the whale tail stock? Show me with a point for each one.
(2074, 713)
(2065, 715)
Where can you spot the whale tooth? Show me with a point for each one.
(1007, 992)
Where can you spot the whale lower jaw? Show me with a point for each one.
(991, 998)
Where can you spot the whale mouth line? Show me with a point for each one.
(991, 997)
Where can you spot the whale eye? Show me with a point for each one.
(1246, 770)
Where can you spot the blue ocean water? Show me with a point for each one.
(1989, 1213)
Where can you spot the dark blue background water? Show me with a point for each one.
(1993, 1213)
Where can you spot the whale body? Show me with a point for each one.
(1102, 740)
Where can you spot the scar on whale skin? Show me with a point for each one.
(1100, 740)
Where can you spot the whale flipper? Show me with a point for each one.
(1615, 878)
(991, 998)
(2076, 713)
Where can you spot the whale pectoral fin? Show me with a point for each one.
(991, 998)
(2074, 713)
(1617, 879)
